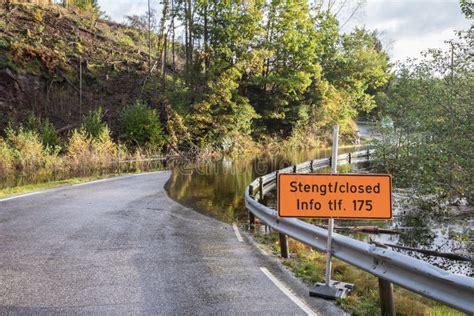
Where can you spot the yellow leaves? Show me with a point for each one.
(103, 148)
(84, 152)
(37, 15)
(7, 165)
(28, 149)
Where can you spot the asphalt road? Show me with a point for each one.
(122, 246)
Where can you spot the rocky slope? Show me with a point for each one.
(43, 48)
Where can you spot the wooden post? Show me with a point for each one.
(252, 221)
(283, 245)
(386, 298)
(260, 189)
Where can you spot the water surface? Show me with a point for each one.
(216, 188)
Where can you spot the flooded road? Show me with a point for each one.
(216, 188)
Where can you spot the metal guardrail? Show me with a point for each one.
(416, 275)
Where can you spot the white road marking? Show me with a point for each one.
(237, 233)
(92, 182)
(262, 251)
(80, 184)
(20, 196)
(305, 308)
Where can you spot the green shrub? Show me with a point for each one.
(140, 127)
(126, 40)
(93, 125)
(45, 131)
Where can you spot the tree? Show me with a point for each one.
(223, 113)
(467, 7)
(430, 104)
(291, 65)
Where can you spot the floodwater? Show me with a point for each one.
(216, 188)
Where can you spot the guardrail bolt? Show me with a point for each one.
(283, 245)
(386, 298)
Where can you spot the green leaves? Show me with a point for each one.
(140, 127)
(280, 66)
(223, 112)
(430, 103)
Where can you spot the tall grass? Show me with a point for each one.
(7, 161)
(26, 160)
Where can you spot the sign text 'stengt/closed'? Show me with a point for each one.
(335, 196)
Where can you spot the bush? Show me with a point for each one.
(104, 149)
(28, 151)
(85, 154)
(78, 151)
(93, 124)
(46, 132)
(140, 127)
(7, 162)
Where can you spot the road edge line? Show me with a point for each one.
(21, 196)
(302, 305)
(69, 185)
(237, 233)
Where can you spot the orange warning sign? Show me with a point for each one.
(349, 196)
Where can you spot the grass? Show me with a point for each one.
(28, 188)
(309, 265)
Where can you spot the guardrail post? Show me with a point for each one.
(311, 169)
(260, 189)
(368, 154)
(386, 298)
(294, 169)
(350, 158)
(250, 214)
(283, 245)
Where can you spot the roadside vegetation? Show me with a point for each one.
(244, 73)
(34, 152)
(309, 265)
(425, 128)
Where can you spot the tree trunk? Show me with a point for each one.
(206, 39)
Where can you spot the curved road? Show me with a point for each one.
(122, 246)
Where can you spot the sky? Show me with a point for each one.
(407, 26)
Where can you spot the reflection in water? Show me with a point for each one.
(216, 188)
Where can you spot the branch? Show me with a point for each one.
(434, 253)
